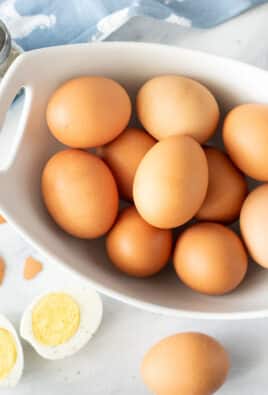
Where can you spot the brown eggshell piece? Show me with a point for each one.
(254, 224)
(80, 193)
(32, 267)
(2, 270)
(227, 189)
(123, 156)
(88, 111)
(171, 182)
(188, 363)
(171, 105)
(245, 135)
(137, 248)
(210, 258)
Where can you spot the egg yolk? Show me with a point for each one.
(8, 353)
(55, 319)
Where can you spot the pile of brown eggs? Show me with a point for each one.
(165, 173)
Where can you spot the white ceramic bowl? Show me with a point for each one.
(24, 152)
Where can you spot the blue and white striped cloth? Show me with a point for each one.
(40, 23)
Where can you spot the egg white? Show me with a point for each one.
(91, 311)
(16, 372)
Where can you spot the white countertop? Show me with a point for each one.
(109, 364)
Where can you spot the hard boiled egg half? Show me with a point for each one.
(11, 354)
(59, 323)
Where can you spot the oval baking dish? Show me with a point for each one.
(26, 146)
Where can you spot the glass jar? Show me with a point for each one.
(8, 49)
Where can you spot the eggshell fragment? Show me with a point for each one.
(171, 105)
(171, 182)
(254, 224)
(245, 136)
(2, 219)
(137, 248)
(80, 193)
(227, 189)
(185, 364)
(31, 268)
(88, 111)
(2, 270)
(210, 258)
(123, 156)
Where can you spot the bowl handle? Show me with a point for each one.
(14, 80)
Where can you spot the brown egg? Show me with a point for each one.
(171, 105)
(254, 224)
(171, 182)
(210, 258)
(188, 363)
(123, 156)
(88, 111)
(137, 248)
(245, 135)
(227, 189)
(80, 193)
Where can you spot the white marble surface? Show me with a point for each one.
(109, 365)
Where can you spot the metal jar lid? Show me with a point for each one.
(5, 42)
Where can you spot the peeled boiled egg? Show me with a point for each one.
(227, 189)
(245, 136)
(171, 105)
(80, 193)
(123, 156)
(254, 224)
(137, 248)
(210, 258)
(59, 323)
(188, 363)
(11, 354)
(171, 182)
(88, 111)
